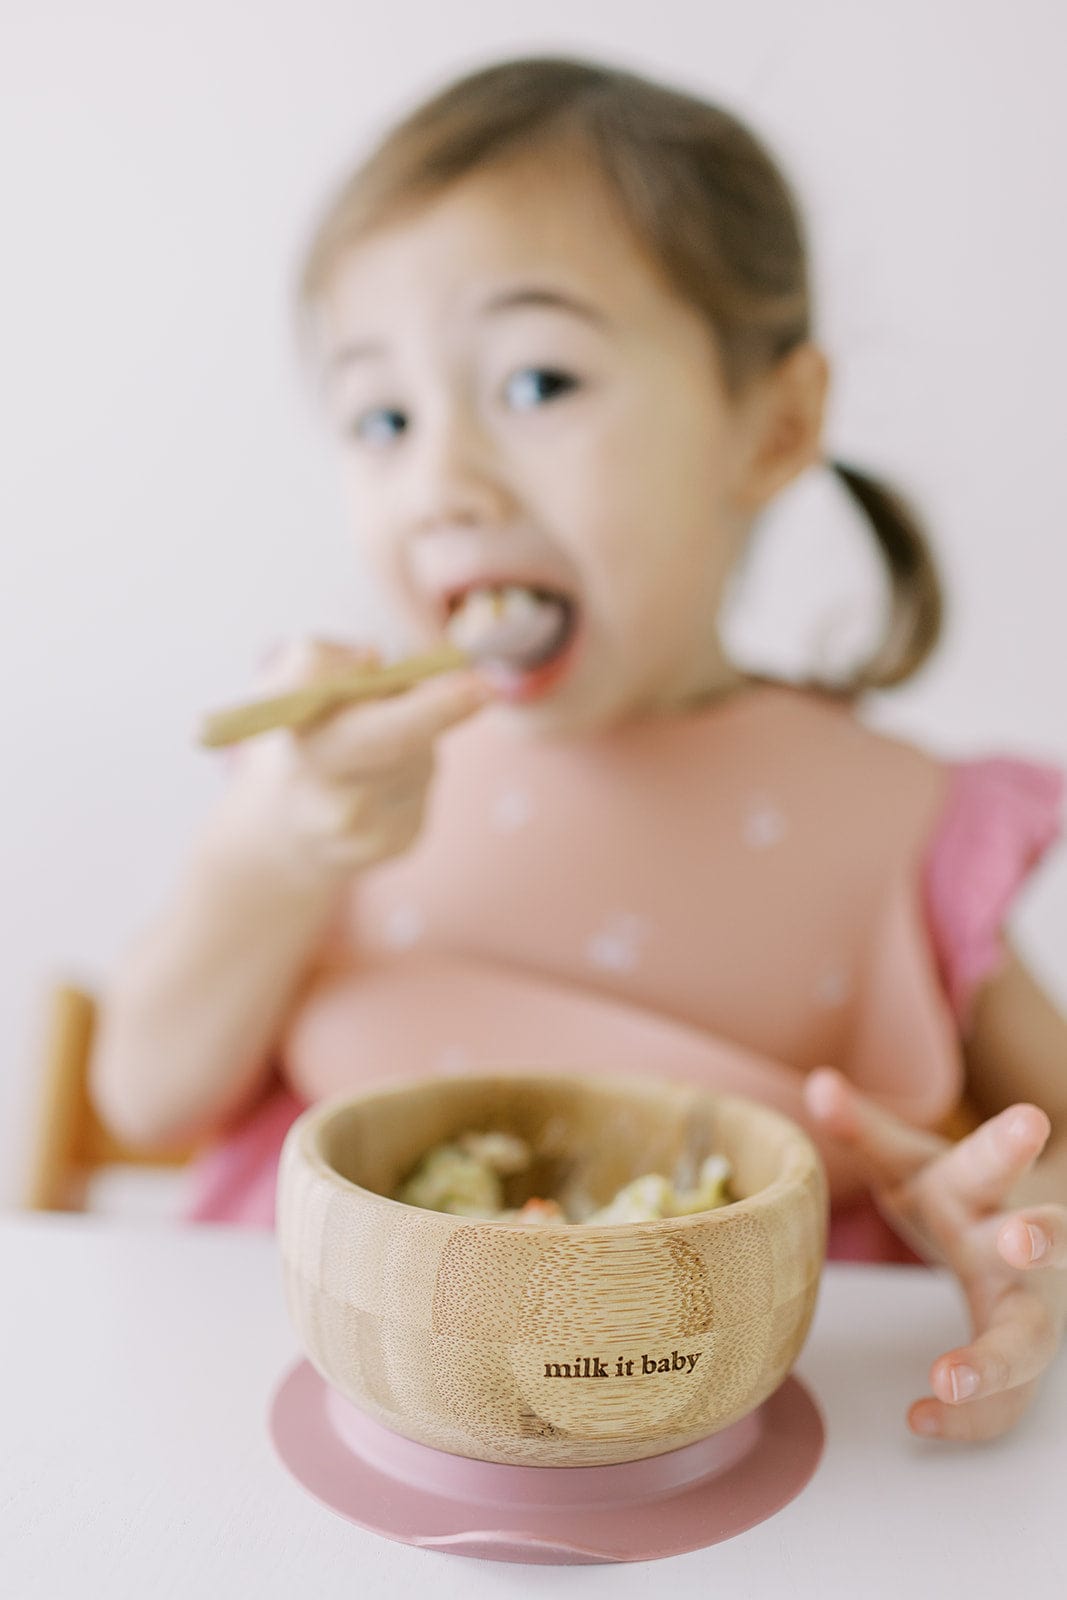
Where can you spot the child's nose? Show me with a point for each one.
(457, 477)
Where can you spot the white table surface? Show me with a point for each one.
(138, 1363)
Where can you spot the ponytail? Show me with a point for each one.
(916, 599)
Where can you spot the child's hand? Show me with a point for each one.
(945, 1199)
(351, 790)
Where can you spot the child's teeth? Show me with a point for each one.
(478, 611)
(510, 624)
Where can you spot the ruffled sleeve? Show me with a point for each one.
(1001, 816)
(233, 1180)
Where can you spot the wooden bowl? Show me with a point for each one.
(555, 1344)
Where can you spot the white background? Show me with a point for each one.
(168, 507)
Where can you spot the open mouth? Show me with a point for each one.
(520, 634)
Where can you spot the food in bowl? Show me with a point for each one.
(464, 1176)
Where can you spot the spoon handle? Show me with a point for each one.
(299, 707)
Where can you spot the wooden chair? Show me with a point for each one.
(70, 1143)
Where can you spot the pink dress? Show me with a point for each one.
(734, 895)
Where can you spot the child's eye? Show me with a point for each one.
(531, 385)
(546, 384)
(373, 427)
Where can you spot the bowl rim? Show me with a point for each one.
(306, 1132)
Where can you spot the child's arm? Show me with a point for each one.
(1016, 1049)
(187, 1026)
(971, 1205)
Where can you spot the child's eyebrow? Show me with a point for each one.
(555, 299)
(516, 299)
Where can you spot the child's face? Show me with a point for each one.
(491, 436)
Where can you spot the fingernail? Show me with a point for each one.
(964, 1382)
(926, 1422)
(820, 1095)
(1038, 1242)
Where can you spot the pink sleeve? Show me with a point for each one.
(1000, 818)
(234, 1179)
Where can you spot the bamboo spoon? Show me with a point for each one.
(299, 707)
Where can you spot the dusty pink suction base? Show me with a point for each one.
(634, 1511)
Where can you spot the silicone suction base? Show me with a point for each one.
(634, 1511)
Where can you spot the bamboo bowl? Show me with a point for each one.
(554, 1344)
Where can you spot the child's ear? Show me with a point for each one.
(785, 424)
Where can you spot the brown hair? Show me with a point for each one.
(705, 200)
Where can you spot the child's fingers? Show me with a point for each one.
(1014, 1346)
(377, 735)
(892, 1149)
(1034, 1238)
(976, 1420)
(982, 1169)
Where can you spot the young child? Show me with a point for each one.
(562, 322)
